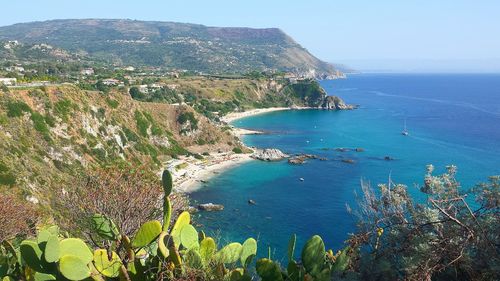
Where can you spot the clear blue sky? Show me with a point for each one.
(368, 34)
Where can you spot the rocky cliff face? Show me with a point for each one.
(48, 135)
(335, 103)
(269, 154)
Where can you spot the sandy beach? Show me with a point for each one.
(190, 173)
(238, 115)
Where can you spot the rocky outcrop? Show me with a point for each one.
(210, 207)
(336, 103)
(269, 154)
(301, 158)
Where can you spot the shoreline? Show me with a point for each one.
(189, 174)
(233, 116)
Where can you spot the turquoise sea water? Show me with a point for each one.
(452, 119)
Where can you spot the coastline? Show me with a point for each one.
(230, 117)
(189, 173)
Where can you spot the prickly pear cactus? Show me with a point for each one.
(105, 227)
(52, 249)
(189, 237)
(166, 180)
(230, 253)
(75, 247)
(105, 266)
(183, 219)
(313, 256)
(248, 252)
(146, 234)
(207, 249)
(268, 270)
(291, 247)
(73, 267)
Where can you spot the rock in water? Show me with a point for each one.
(211, 207)
(336, 103)
(269, 154)
(251, 202)
(301, 158)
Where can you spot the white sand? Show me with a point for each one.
(189, 178)
(191, 173)
(238, 115)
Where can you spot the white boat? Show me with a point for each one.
(405, 131)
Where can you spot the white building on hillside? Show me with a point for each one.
(8, 81)
(87, 71)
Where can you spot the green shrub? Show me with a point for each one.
(63, 108)
(237, 150)
(7, 179)
(142, 123)
(99, 153)
(50, 120)
(17, 109)
(39, 123)
(112, 103)
(3, 120)
(130, 135)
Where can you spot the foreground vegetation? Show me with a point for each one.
(122, 236)
(152, 250)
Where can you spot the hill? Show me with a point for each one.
(171, 45)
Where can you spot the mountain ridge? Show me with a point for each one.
(192, 47)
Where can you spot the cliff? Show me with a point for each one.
(48, 135)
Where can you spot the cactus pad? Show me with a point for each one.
(75, 247)
(73, 267)
(189, 237)
(107, 267)
(146, 234)
(248, 251)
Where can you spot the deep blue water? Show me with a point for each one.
(452, 119)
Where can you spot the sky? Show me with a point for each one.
(371, 35)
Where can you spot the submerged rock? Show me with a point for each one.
(359, 149)
(252, 202)
(349, 161)
(211, 207)
(269, 154)
(342, 149)
(296, 160)
(301, 158)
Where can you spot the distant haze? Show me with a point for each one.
(452, 35)
(423, 65)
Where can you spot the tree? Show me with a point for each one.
(454, 235)
(136, 94)
(129, 197)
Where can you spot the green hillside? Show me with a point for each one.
(168, 44)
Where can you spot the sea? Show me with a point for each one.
(452, 119)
